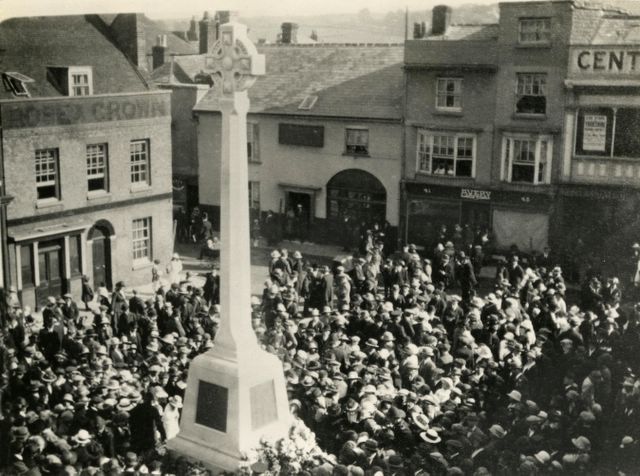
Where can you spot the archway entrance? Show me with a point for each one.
(355, 201)
(101, 252)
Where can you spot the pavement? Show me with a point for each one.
(260, 257)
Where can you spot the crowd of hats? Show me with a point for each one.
(401, 378)
(410, 379)
(80, 398)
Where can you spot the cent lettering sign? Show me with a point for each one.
(605, 61)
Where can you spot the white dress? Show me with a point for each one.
(173, 270)
(171, 421)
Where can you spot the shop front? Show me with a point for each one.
(511, 218)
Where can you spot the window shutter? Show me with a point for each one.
(256, 142)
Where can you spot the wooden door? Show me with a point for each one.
(101, 261)
(50, 268)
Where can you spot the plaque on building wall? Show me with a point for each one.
(594, 136)
(211, 409)
(263, 404)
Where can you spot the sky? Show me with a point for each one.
(159, 9)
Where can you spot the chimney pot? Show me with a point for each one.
(440, 19)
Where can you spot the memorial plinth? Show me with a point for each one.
(236, 392)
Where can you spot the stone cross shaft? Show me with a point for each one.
(235, 65)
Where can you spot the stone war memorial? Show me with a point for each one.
(236, 393)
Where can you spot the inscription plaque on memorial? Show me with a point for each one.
(263, 404)
(211, 407)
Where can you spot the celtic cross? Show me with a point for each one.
(235, 62)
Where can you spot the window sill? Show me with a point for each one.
(526, 184)
(541, 46)
(356, 156)
(139, 188)
(443, 176)
(141, 264)
(96, 194)
(48, 203)
(256, 162)
(448, 112)
(529, 116)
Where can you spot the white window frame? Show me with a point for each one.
(508, 147)
(47, 171)
(349, 141)
(254, 194)
(253, 142)
(80, 89)
(424, 152)
(527, 88)
(141, 240)
(138, 166)
(541, 27)
(443, 93)
(98, 165)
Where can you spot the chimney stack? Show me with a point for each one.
(207, 34)
(440, 19)
(159, 51)
(289, 33)
(192, 34)
(128, 32)
(222, 17)
(419, 30)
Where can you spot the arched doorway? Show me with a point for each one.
(356, 197)
(99, 237)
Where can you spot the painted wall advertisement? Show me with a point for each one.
(594, 135)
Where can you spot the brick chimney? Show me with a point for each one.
(128, 32)
(440, 19)
(192, 34)
(207, 34)
(289, 33)
(222, 17)
(159, 51)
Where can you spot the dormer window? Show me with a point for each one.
(16, 83)
(80, 81)
(71, 80)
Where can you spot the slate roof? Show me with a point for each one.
(360, 81)
(30, 44)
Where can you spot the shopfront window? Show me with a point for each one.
(527, 159)
(608, 132)
(449, 155)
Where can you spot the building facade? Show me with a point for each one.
(599, 199)
(324, 137)
(86, 154)
(484, 119)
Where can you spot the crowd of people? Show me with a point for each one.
(394, 373)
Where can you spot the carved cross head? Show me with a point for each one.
(235, 63)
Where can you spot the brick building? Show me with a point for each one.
(86, 154)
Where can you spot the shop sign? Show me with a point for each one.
(594, 133)
(88, 109)
(617, 61)
(472, 194)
